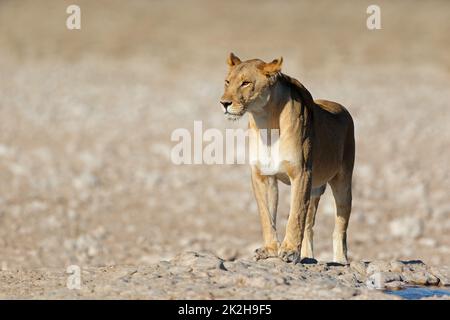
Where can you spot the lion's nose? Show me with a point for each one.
(225, 104)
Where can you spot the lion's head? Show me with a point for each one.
(247, 85)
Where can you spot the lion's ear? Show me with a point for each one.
(233, 60)
(272, 67)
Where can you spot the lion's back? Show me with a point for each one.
(332, 107)
(332, 114)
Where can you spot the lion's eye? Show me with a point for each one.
(227, 82)
(245, 83)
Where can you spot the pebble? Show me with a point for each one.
(443, 274)
(205, 261)
(358, 266)
(379, 280)
(421, 278)
(396, 266)
(378, 266)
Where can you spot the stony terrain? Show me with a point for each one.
(86, 119)
(194, 275)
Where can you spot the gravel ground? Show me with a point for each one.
(194, 275)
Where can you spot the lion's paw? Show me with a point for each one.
(264, 253)
(289, 255)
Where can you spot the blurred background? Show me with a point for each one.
(86, 117)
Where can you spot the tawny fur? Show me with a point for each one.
(316, 146)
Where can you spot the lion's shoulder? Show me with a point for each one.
(299, 89)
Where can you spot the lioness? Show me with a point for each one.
(316, 147)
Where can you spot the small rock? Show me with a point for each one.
(379, 280)
(414, 265)
(443, 274)
(420, 278)
(348, 279)
(378, 266)
(358, 266)
(202, 261)
(396, 266)
(395, 285)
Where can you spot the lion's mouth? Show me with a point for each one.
(234, 116)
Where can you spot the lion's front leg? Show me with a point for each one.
(265, 189)
(300, 197)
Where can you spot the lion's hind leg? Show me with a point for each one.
(341, 186)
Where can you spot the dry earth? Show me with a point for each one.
(194, 275)
(85, 137)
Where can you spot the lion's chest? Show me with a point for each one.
(272, 155)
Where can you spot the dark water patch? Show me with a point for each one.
(415, 293)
